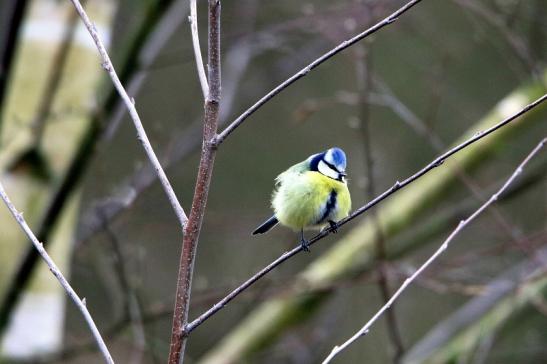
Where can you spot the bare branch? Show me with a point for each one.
(179, 147)
(304, 71)
(208, 152)
(364, 330)
(57, 273)
(363, 70)
(519, 46)
(197, 49)
(131, 302)
(397, 186)
(54, 79)
(148, 53)
(144, 49)
(129, 103)
(513, 287)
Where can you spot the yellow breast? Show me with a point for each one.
(310, 199)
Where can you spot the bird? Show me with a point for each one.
(311, 194)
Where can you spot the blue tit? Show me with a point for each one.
(311, 194)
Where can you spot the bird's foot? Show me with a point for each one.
(305, 244)
(333, 226)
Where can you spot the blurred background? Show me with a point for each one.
(71, 162)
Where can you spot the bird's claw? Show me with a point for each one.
(333, 226)
(305, 245)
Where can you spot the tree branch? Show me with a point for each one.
(129, 103)
(218, 139)
(503, 299)
(397, 186)
(197, 49)
(208, 152)
(54, 77)
(364, 330)
(435, 141)
(363, 70)
(57, 273)
(142, 50)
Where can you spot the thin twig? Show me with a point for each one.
(304, 71)
(364, 330)
(397, 186)
(388, 99)
(131, 302)
(481, 315)
(205, 297)
(112, 333)
(85, 152)
(435, 141)
(154, 39)
(129, 103)
(519, 46)
(181, 146)
(191, 232)
(51, 86)
(197, 49)
(57, 273)
(364, 85)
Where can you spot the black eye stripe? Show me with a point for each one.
(340, 176)
(330, 166)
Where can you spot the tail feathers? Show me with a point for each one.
(266, 226)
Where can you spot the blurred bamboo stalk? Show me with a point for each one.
(355, 251)
(428, 230)
(130, 104)
(58, 65)
(32, 316)
(11, 18)
(137, 49)
(505, 298)
(444, 246)
(81, 304)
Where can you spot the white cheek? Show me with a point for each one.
(324, 169)
(328, 157)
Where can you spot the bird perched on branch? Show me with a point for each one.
(311, 194)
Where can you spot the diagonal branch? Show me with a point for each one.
(422, 128)
(397, 186)
(181, 146)
(519, 46)
(191, 232)
(503, 299)
(218, 139)
(9, 37)
(143, 49)
(364, 330)
(129, 103)
(197, 49)
(57, 273)
(51, 88)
